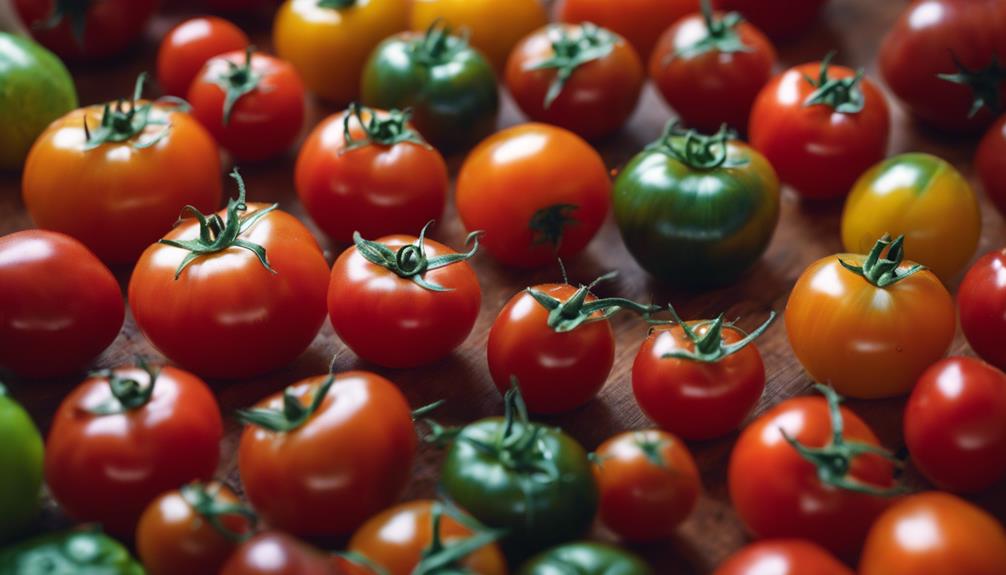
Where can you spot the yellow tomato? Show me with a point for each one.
(923, 198)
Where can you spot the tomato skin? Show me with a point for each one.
(21, 460)
(958, 538)
(189, 45)
(990, 164)
(376, 190)
(49, 325)
(276, 553)
(641, 22)
(111, 27)
(981, 299)
(780, 19)
(500, 192)
(783, 557)
(108, 468)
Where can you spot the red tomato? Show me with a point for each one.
(86, 30)
(648, 484)
(253, 104)
(780, 19)
(639, 21)
(782, 557)
(820, 135)
(539, 192)
(981, 300)
(386, 179)
(324, 468)
(275, 553)
(59, 305)
(189, 45)
(990, 163)
(238, 297)
(124, 437)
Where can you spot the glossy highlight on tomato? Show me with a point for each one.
(782, 557)
(276, 553)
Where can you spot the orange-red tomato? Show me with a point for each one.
(782, 557)
(640, 21)
(189, 45)
(981, 299)
(86, 30)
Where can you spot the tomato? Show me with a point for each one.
(21, 459)
(699, 379)
(585, 558)
(233, 294)
(948, 536)
(640, 21)
(821, 126)
(192, 530)
(782, 557)
(328, 41)
(810, 469)
(59, 305)
(124, 437)
(955, 424)
(252, 103)
(697, 210)
(325, 467)
(276, 553)
(869, 331)
(923, 198)
(450, 87)
(780, 19)
(189, 45)
(110, 177)
(539, 192)
(981, 299)
(403, 301)
(710, 67)
(942, 59)
(990, 161)
(86, 30)
(579, 77)
(383, 179)
(80, 551)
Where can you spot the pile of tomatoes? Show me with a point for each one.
(135, 185)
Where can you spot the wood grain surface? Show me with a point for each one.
(806, 232)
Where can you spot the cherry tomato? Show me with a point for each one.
(935, 534)
(782, 557)
(982, 303)
(579, 77)
(990, 164)
(870, 332)
(59, 305)
(780, 19)
(189, 45)
(325, 467)
(821, 126)
(384, 179)
(539, 192)
(124, 437)
(641, 22)
(275, 553)
(86, 30)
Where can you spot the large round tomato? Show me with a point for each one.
(234, 294)
(782, 557)
(384, 179)
(780, 19)
(640, 21)
(21, 459)
(990, 164)
(539, 192)
(124, 437)
(59, 305)
(872, 331)
(935, 534)
(276, 553)
(585, 558)
(189, 45)
(86, 30)
(981, 299)
(327, 453)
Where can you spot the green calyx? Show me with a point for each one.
(440, 558)
(336, 4)
(843, 95)
(695, 150)
(834, 461)
(127, 394)
(651, 446)
(293, 414)
(236, 81)
(217, 235)
(721, 36)
(125, 120)
(438, 45)
(205, 500)
(548, 225)
(709, 347)
(74, 12)
(388, 131)
(564, 316)
(883, 271)
(410, 261)
(570, 50)
(985, 84)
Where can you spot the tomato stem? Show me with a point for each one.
(336, 4)
(440, 558)
(651, 446)
(126, 120)
(721, 36)
(389, 131)
(127, 393)
(883, 271)
(985, 84)
(236, 82)
(292, 415)
(410, 261)
(438, 45)
(74, 12)
(576, 311)
(844, 95)
(570, 50)
(709, 347)
(695, 150)
(206, 501)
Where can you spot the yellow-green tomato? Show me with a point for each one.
(20, 467)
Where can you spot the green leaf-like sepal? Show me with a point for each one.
(843, 95)
(388, 131)
(721, 36)
(695, 150)
(570, 50)
(236, 82)
(127, 394)
(410, 261)
(883, 271)
(293, 414)
(205, 501)
(709, 347)
(576, 311)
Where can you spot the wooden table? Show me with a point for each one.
(806, 232)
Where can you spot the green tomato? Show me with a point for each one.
(585, 558)
(450, 87)
(83, 552)
(35, 89)
(21, 462)
(697, 211)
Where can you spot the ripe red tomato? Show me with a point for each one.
(539, 192)
(780, 19)
(189, 45)
(699, 379)
(252, 103)
(579, 77)
(86, 30)
(49, 326)
(981, 300)
(782, 557)
(641, 22)
(325, 467)
(124, 437)
(821, 126)
(384, 180)
(238, 295)
(648, 483)
(990, 164)
(275, 553)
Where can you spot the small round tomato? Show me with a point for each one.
(935, 534)
(648, 484)
(780, 19)
(782, 557)
(110, 176)
(59, 305)
(640, 21)
(189, 45)
(821, 126)
(324, 467)
(86, 30)
(276, 553)
(699, 379)
(124, 437)
(955, 424)
(808, 468)
(383, 179)
(990, 164)
(328, 41)
(981, 299)
(579, 77)
(869, 325)
(923, 198)
(585, 558)
(21, 460)
(232, 294)
(539, 192)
